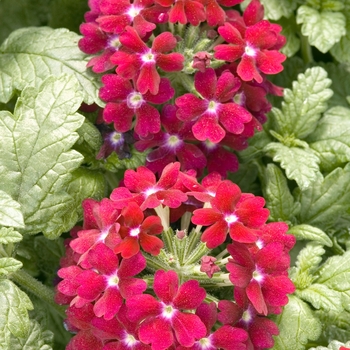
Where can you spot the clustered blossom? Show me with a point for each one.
(170, 92)
(105, 276)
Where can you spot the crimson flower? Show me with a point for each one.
(124, 102)
(184, 11)
(262, 275)
(146, 191)
(108, 283)
(165, 320)
(232, 212)
(136, 230)
(256, 49)
(141, 62)
(216, 113)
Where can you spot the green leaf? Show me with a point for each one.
(245, 177)
(279, 200)
(114, 164)
(30, 55)
(310, 233)
(335, 274)
(26, 13)
(303, 105)
(275, 9)
(341, 50)
(14, 312)
(9, 265)
(10, 211)
(331, 138)
(290, 31)
(323, 29)
(297, 325)
(9, 235)
(300, 165)
(37, 339)
(333, 345)
(322, 297)
(326, 199)
(35, 159)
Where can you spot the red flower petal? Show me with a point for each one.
(205, 83)
(256, 297)
(157, 332)
(189, 296)
(166, 285)
(109, 304)
(215, 235)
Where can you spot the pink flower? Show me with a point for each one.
(141, 62)
(208, 266)
(164, 321)
(262, 275)
(108, 283)
(136, 230)
(256, 49)
(142, 187)
(125, 102)
(216, 113)
(232, 212)
(172, 144)
(184, 11)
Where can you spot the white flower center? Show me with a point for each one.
(212, 107)
(230, 219)
(135, 232)
(239, 98)
(134, 100)
(148, 57)
(133, 11)
(205, 343)
(173, 141)
(113, 280)
(258, 276)
(249, 51)
(114, 42)
(259, 243)
(246, 317)
(151, 191)
(168, 312)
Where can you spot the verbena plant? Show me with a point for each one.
(174, 174)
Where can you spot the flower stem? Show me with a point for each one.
(306, 49)
(35, 287)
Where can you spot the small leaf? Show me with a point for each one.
(15, 305)
(303, 105)
(341, 50)
(30, 55)
(322, 297)
(9, 265)
(310, 233)
(297, 325)
(326, 199)
(37, 338)
(275, 9)
(35, 147)
(331, 138)
(10, 211)
(9, 235)
(279, 200)
(299, 164)
(323, 29)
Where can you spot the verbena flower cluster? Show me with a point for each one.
(187, 78)
(133, 281)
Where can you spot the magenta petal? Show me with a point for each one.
(233, 117)
(253, 13)
(103, 259)
(190, 107)
(142, 306)
(270, 62)
(223, 338)
(226, 198)
(120, 114)
(206, 216)
(240, 276)
(166, 285)
(131, 286)
(188, 328)
(164, 42)
(205, 83)
(227, 86)
(151, 244)
(231, 35)
(208, 128)
(169, 175)
(157, 332)
(92, 284)
(256, 297)
(147, 120)
(247, 69)
(133, 215)
(189, 296)
(132, 266)
(242, 234)
(148, 79)
(165, 93)
(131, 40)
(109, 304)
(115, 88)
(139, 180)
(215, 235)
(171, 62)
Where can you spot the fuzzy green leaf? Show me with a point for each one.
(275, 9)
(297, 324)
(14, 312)
(279, 200)
(322, 297)
(323, 29)
(10, 211)
(326, 199)
(331, 139)
(245, 177)
(9, 235)
(341, 50)
(333, 345)
(36, 159)
(37, 339)
(290, 31)
(30, 55)
(299, 164)
(303, 105)
(335, 274)
(310, 233)
(9, 265)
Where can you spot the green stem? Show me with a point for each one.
(112, 179)
(35, 287)
(306, 49)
